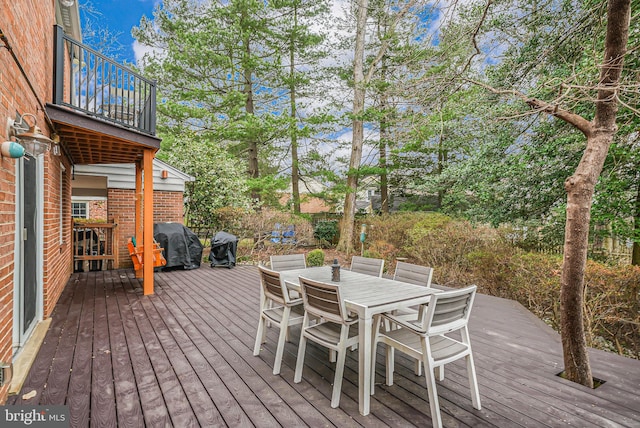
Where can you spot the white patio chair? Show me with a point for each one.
(336, 329)
(427, 340)
(367, 265)
(278, 308)
(412, 274)
(288, 262)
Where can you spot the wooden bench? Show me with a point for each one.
(137, 254)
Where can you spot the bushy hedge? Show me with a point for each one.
(315, 257)
(462, 254)
(326, 232)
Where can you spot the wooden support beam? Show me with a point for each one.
(137, 222)
(148, 222)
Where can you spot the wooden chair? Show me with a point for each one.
(367, 265)
(137, 254)
(427, 340)
(288, 262)
(335, 330)
(277, 308)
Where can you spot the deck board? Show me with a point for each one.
(79, 394)
(152, 401)
(184, 357)
(57, 384)
(127, 401)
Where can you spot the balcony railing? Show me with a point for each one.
(88, 81)
(95, 246)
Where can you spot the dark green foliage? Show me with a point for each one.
(326, 231)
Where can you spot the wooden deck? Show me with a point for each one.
(183, 357)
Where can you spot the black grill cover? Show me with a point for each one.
(223, 250)
(182, 248)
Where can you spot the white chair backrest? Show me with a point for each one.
(367, 265)
(323, 300)
(272, 286)
(448, 311)
(288, 262)
(413, 274)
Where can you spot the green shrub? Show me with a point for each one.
(371, 254)
(315, 257)
(394, 228)
(463, 253)
(326, 232)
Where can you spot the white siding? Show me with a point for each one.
(123, 176)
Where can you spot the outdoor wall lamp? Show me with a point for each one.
(11, 149)
(6, 373)
(30, 137)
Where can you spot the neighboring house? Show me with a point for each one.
(309, 204)
(107, 193)
(91, 110)
(369, 199)
(368, 187)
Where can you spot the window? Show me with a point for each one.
(79, 210)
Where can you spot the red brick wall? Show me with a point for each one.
(57, 230)
(30, 37)
(7, 230)
(167, 207)
(308, 204)
(98, 210)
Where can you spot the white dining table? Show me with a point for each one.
(366, 296)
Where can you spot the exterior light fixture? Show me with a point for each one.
(33, 140)
(11, 149)
(6, 373)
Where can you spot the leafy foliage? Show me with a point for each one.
(218, 182)
(315, 257)
(463, 254)
(326, 232)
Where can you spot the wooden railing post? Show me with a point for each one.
(93, 243)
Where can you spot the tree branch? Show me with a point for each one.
(475, 34)
(385, 44)
(585, 126)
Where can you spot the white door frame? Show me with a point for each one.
(19, 339)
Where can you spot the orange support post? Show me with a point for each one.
(147, 233)
(137, 222)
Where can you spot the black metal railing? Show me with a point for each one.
(88, 81)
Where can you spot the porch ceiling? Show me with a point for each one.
(94, 141)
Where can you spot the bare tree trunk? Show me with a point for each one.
(295, 177)
(580, 188)
(581, 185)
(384, 182)
(442, 160)
(253, 145)
(360, 81)
(346, 228)
(635, 255)
(384, 140)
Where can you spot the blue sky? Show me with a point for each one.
(120, 16)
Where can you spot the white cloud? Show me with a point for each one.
(140, 50)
